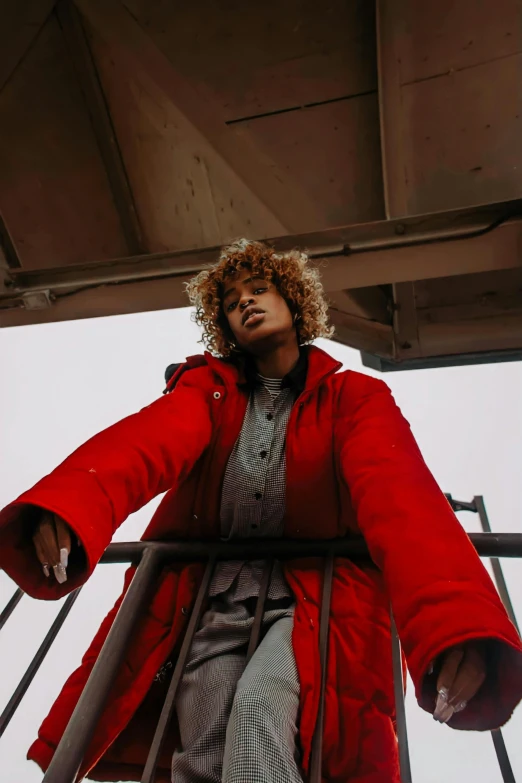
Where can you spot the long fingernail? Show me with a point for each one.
(444, 714)
(45, 569)
(64, 557)
(443, 710)
(60, 573)
(461, 706)
(441, 703)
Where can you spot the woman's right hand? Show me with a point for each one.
(52, 541)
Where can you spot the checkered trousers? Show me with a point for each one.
(238, 723)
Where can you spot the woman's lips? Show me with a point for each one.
(254, 319)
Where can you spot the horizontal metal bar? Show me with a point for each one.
(10, 606)
(486, 544)
(69, 754)
(37, 661)
(234, 550)
(346, 240)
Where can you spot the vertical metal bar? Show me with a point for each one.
(149, 772)
(400, 709)
(37, 661)
(508, 775)
(69, 754)
(10, 606)
(498, 574)
(260, 610)
(324, 623)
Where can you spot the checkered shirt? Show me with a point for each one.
(253, 495)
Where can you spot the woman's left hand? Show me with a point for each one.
(462, 673)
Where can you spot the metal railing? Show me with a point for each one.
(150, 557)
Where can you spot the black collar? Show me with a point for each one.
(295, 379)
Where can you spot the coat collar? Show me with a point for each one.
(319, 366)
(295, 379)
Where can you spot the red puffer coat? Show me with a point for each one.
(352, 466)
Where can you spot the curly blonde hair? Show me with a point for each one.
(297, 282)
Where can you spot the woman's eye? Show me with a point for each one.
(260, 290)
(231, 306)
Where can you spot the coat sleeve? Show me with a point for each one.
(441, 594)
(112, 475)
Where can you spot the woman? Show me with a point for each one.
(264, 437)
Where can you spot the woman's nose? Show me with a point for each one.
(245, 301)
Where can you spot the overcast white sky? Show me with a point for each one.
(61, 383)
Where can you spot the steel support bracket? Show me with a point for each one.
(37, 300)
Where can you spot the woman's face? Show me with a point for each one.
(257, 314)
